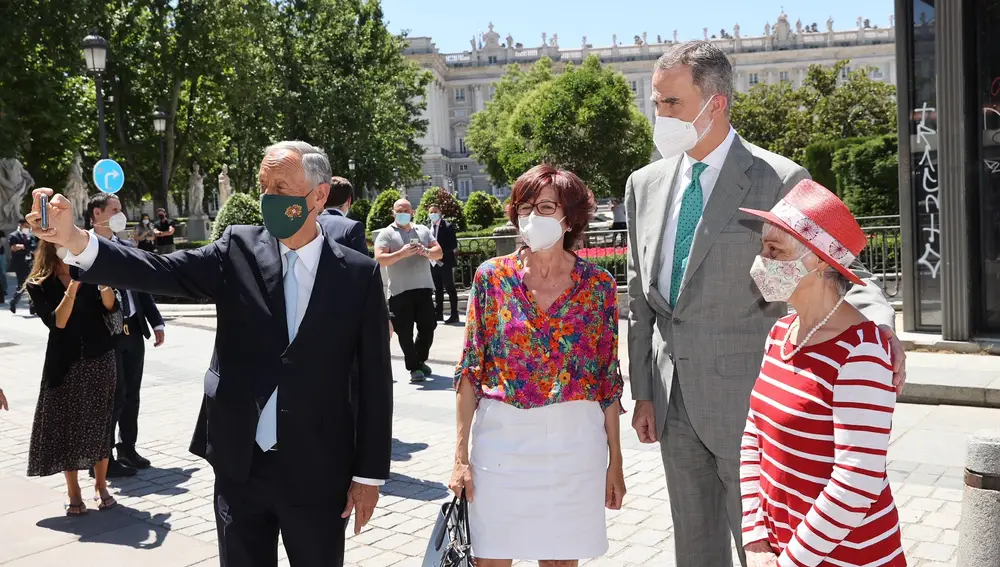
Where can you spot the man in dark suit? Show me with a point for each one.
(345, 231)
(22, 248)
(443, 270)
(295, 310)
(105, 218)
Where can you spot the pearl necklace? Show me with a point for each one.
(809, 335)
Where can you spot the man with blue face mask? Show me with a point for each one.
(696, 319)
(406, 249)
(298, 440)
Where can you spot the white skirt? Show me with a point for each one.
(539, 477)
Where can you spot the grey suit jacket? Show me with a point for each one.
(714, 337)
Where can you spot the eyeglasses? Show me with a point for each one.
(544, 208)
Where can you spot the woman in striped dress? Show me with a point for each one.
(812, 462)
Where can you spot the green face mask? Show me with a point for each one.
(284, 215)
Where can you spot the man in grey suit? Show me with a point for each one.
(697, 322)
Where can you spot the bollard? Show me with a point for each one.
(979, 531)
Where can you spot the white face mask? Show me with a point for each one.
(117, 222)
(673, 136)
(778, 279)
(540, 232)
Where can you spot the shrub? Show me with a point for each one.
(498, 209)
(868, 175)
(359, 210)
(240, 208)
(819, 161)
(451, 209)
(380, 215)
(479, 210)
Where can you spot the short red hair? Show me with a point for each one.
(576, 199)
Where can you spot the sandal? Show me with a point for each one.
(75, 509)
(106, 503)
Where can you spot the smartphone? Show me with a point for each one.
(43, 208)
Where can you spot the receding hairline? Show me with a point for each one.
(402, 201)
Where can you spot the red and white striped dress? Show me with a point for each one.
(812, 461)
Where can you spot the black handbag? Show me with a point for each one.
(451, 542)
(115, 320)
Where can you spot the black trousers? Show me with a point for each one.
(131, 356)
(22, 275)
(414, 307)
(248, 516)
(444, 280)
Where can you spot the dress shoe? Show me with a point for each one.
(132, 459)
(119, 470)
(453, 320)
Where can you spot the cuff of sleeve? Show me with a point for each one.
(159, 327)
(758, 534)
(368, 481)
(466, 373)
(84, 260)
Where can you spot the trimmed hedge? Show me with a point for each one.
(479, 209)
(451, 209)
(240, 208)
(359, 210)
(380, 215)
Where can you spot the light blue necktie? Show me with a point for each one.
(267, 424)
(691, 209)
(291, 294)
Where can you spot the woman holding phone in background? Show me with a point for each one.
(70, 430)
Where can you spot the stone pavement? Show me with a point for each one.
(166, 516)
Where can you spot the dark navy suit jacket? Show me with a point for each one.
(344, 231)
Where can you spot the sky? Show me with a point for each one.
(452, 24)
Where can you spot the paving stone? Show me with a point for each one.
(938, 520)
(925, 504)
(933, 551)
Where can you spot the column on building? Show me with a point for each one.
(443, 117)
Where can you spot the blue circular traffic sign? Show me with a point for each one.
(109, 176)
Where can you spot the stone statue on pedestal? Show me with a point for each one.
(196, 192)
(76, 188)
(14, 183)
(829, 25)
(224, 185)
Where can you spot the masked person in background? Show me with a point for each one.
(539, 388)
(22, 247)
(143, 235)
(403, 248)
(106, 219)
(696, 320)
(297, 444)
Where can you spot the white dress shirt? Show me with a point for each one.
(131, 298)
(715, 160)
(305, 274)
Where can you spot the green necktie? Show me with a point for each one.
(687, 222)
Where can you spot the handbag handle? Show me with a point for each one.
(460, 508)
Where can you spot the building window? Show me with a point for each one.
(463, 167)
(492, 59)
(876, 73)
(463, 188)
(461, 145)
(635, 86)
(754, 79)
(460, 94)
(845, 71)
(784, 77)
(493, 91)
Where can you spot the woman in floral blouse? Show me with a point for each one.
(538, 451)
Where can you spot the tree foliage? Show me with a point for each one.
(583, 120)
(240, 208)
(380, 215)
(451, 208)
(785, 120)
(359, 210)
(479, 210)
(868, 176)
(232, 75)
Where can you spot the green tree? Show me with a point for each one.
(583, 120)
(827, 107)
(479, 210)
(868, 176)
(381, 215)
(240, 208)
(451, 208)
(359, 210)
(498, 210)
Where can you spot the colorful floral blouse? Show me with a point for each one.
(519, 356)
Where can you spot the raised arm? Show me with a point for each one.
(863, 401)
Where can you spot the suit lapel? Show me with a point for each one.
(325, 286)
(269, 263)
(729, 192)
(662, 195)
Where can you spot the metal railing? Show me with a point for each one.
(609, 249)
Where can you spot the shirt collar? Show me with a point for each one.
(308, 254)
(717, 158)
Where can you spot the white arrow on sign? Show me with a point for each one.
(110, 175)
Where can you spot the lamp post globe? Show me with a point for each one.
(350, 164)
(95, 50)
(159, 121)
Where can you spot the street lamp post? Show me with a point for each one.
(350, 168)
(95, 50)
(395, 177)
(160, 125)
